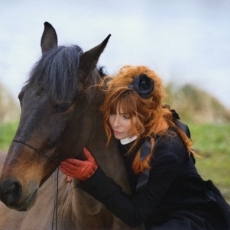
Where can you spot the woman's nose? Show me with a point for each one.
(116, 121)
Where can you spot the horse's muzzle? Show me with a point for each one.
(10, 191)
(11, 195)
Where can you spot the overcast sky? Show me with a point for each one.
(184, 41)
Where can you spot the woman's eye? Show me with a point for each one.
(126, 116)
(62, 107)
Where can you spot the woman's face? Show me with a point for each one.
(121, 124)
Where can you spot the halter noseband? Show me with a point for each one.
(36, 150)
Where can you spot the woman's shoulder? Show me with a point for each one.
(170, 143)
(169, 138)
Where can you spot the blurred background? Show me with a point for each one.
(186, 42)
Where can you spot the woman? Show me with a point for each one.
(168, 193)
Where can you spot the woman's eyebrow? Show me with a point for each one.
(125, 114)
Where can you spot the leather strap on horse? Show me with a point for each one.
(55, 204)
(36, 150)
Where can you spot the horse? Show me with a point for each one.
(59, 116)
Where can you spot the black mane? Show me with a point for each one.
(56, 71)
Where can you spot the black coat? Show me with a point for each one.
(175, 197)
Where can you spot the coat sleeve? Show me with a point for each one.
(135, 209)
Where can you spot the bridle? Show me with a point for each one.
(55, 180)
(36, 150)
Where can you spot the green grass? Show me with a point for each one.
(7, 132)
(212, 143)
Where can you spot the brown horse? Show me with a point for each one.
(59, 116)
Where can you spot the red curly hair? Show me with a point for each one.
(151, 117)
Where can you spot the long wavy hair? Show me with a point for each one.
(151, 116)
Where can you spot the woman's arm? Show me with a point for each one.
(135, 209)
(167, 164)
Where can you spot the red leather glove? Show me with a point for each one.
(79, 169)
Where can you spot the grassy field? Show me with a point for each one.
(7, 132)
(211, 142)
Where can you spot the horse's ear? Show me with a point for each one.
(90, 58)
(49, 38)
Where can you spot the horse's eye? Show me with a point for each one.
(20, 95)
(62, 107)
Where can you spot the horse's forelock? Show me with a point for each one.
(56, 71)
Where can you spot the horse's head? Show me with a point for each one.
(58, 111)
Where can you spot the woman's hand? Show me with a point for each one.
(79, 169)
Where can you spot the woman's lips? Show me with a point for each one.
(117, 132)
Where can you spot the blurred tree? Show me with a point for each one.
(195, 105)
(9, 108)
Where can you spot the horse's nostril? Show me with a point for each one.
(11, 191)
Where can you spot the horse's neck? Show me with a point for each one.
(109, 157)
(88, 210)
(91, 214)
